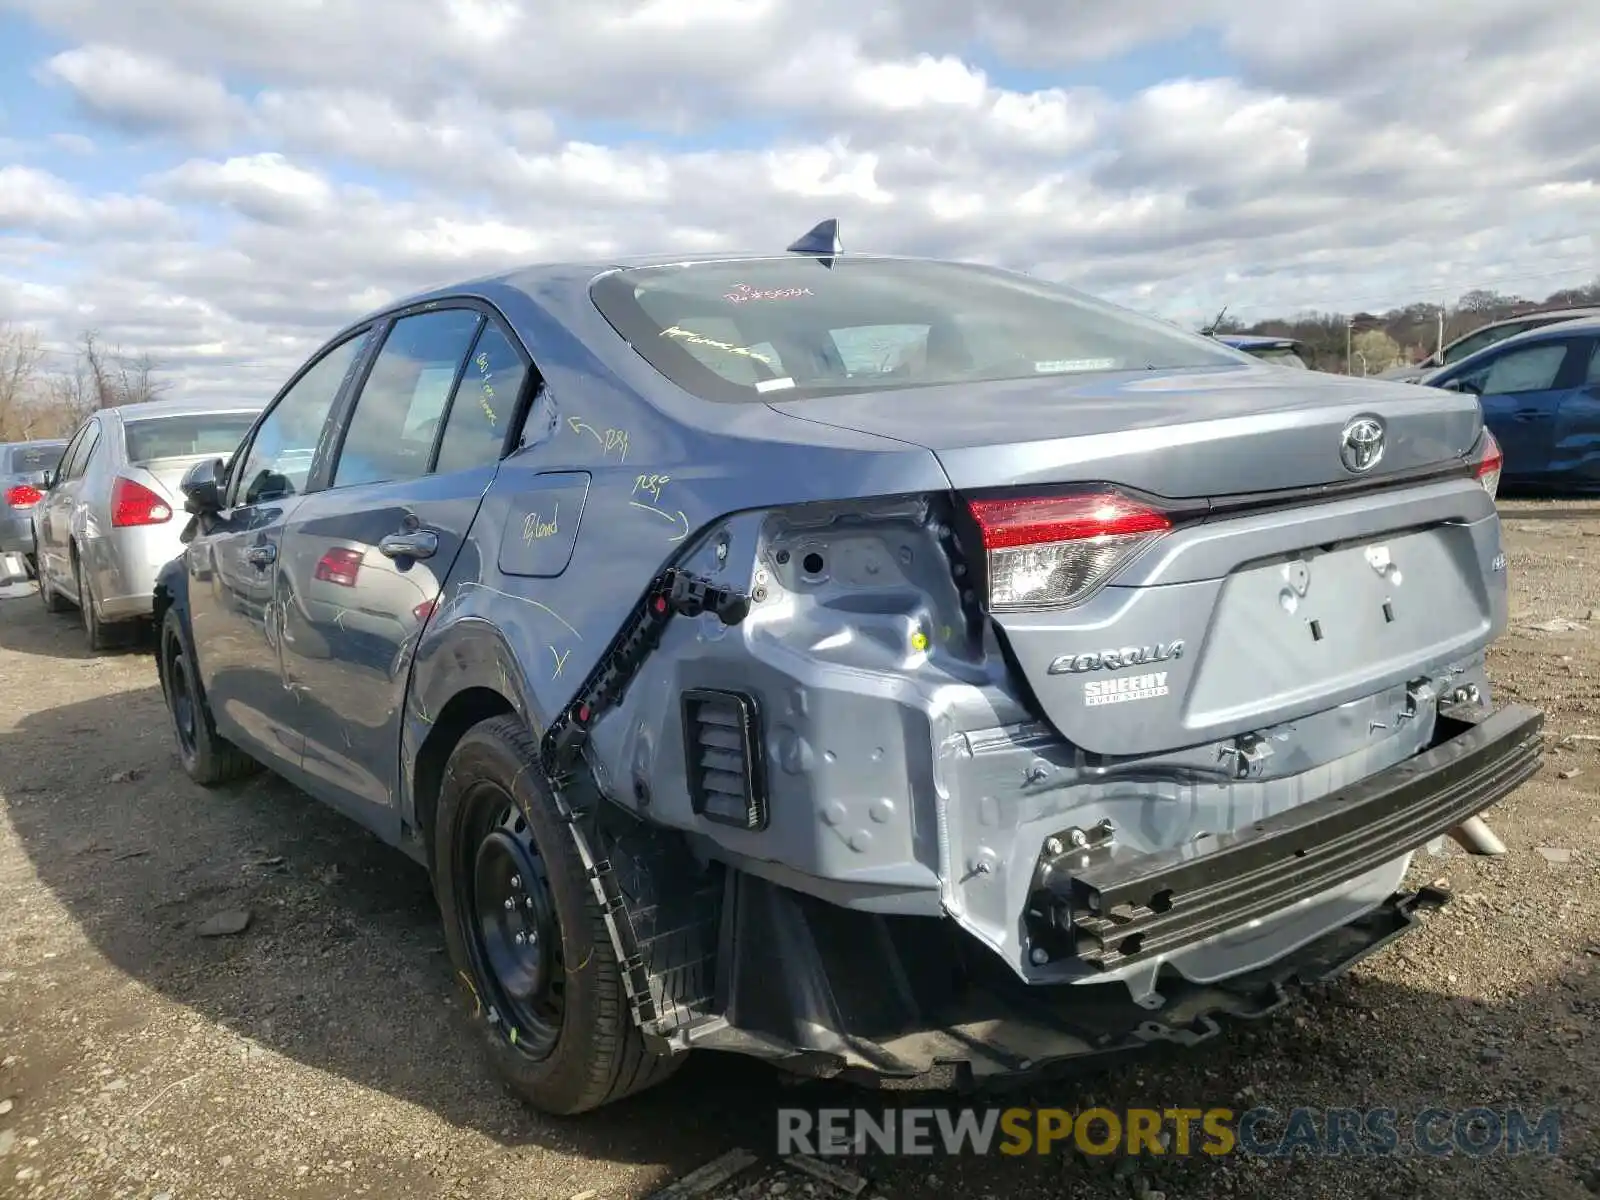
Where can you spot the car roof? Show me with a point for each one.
(1529, 337)
(1548, 315)
(1554, 329)
(1241, 340)
(530, 278)
(179, 407)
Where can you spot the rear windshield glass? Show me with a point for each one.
(779, 329)
(29, 460)
(1282, 356)
(186, 435)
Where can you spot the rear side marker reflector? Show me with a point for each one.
(1055, 551)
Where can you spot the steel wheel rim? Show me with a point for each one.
(513, 935)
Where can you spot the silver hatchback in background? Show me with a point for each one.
(24, 467)
(112, 515)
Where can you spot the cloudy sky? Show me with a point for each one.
(220, 183)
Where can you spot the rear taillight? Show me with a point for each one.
(1487, 471)
(24, 495)
(134, 504)
(1049, 552)
(423, 611)
(339, 565)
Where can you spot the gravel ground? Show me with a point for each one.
(324, 1052)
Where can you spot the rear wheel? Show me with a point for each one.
(207, 757)
(94, 629)
(526, 933)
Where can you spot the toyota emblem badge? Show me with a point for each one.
(1361, 444)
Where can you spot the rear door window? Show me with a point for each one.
(480, 414)
(396, 421)
(1525, 369)
(79, 462)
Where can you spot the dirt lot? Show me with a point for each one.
(324, 1052)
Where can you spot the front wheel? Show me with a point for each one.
(527, 935)
(207, 757)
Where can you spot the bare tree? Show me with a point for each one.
(109, 379)
(20, 358)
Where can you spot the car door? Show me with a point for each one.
(365, 558)
(1575, 454)
(66, 507)
(1521, 388)
(52, 545)
(232, 566)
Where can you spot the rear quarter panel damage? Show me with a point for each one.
(656, 468)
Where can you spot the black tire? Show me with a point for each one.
(54, 602)
(571, 1045)
(208, 758)
(95, 631)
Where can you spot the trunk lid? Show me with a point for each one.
(1233, 613)
(1212, 432)
(166, 474)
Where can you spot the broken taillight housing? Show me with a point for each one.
(1487, 472)
(1054, 551)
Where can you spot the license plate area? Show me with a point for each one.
(1324, 620)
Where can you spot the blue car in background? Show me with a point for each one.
(1540, 393)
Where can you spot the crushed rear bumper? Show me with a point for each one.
(1111, 910)
(829, 991)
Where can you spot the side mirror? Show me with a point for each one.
(202, 487)
(47, 479)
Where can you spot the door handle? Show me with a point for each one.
(261, 555)
(420, 543)
(1529, 414)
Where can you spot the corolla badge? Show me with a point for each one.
(1115, 660)
(1361, 444)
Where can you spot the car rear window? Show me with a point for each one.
(185, 435)
(29, 460)
(787, 328)
(1281, 356)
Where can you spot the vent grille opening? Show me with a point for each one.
(722, 754)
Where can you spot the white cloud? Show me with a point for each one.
(263, 187)
(318, 157)
(141, 94)
(36, 202)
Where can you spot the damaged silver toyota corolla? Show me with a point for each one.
(876, 665)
